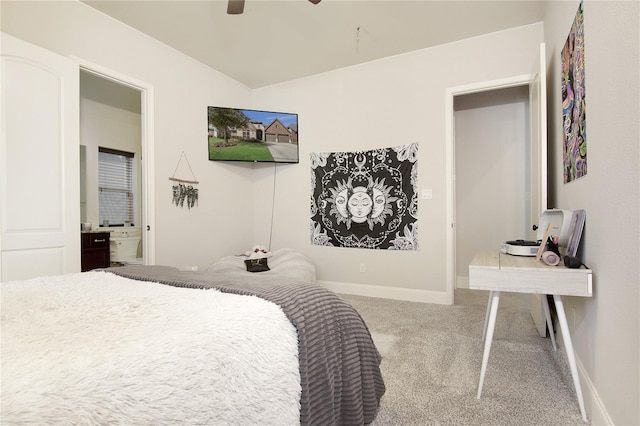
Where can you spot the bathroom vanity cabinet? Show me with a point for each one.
(95, 251)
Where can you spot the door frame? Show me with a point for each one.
(147, 144)
(450, 93)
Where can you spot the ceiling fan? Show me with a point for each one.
(236, 7)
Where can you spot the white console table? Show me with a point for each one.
(496, 272)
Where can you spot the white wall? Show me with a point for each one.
(393, 101)
(183, 88)
(605, 328)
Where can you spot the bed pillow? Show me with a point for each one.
(285, 263)
(257, 265)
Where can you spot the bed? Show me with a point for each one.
(154, 345)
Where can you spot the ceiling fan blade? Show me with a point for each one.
(315, 1)
(235, 7)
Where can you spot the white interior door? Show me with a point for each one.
(39, 157)
(538, 111)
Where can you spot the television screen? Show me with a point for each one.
(252, 135)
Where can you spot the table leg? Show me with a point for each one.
(494, 300)
(547, 314)
(562, 319)
(486, 317)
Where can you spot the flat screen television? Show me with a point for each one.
(252, 135)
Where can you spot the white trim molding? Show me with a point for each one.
(147, 141)
(383, 292)
(595, 407)
(462, 281)
(450, 93)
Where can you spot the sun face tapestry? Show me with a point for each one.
(365, 199)
(574, 148)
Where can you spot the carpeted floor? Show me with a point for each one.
(432, 356)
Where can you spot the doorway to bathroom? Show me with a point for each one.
(115, 166)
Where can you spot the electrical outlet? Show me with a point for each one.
(363, 267)
(189, 268)
(427, 194)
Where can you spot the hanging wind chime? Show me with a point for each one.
(184, 190)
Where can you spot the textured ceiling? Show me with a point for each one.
(276, 41)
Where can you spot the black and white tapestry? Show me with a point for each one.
(365, 199)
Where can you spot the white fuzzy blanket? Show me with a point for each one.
(95, 348)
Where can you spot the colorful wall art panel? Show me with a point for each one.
(365, 199)
(574, 102)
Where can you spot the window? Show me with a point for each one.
(115, 186)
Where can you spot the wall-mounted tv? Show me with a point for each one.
(252, 135)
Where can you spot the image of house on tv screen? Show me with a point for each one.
(252, 135)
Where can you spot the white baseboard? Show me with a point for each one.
(394, 293)
(462, 282)
(593, 404)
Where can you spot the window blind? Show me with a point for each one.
(115, 186)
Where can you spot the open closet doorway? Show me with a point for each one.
(116, 164)
(491, 150)
(488, 189)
